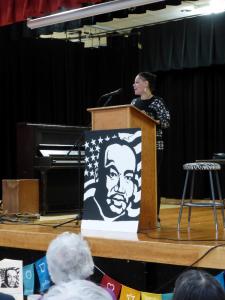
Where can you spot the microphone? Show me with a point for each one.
(116, 92)
(109, 95)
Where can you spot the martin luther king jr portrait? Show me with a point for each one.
(117, 181)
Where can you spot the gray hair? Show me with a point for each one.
(68, 258)
(77, 290)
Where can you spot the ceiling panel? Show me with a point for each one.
(95, 35)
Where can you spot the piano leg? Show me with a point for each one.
(44, 205)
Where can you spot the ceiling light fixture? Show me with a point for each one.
(214, 7)
(185, 10)
(86, 12)
(217, 6)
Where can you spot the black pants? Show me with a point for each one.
(159, 164)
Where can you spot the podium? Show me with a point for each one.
(128, 116)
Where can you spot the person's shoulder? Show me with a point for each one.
(135, 100)
(157, 99)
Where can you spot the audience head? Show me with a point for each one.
(197, 285)
(69, 258)
(77, 290)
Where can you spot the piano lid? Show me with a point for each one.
(52, 152)
(47, 150)
(58, 140)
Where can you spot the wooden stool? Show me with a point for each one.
(211, 168)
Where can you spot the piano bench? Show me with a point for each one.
(20, 195)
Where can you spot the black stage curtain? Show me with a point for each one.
(187, 43)
(196, 101)
(54, 82)
(188, 56)
(49, 81)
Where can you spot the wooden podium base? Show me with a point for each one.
(20, 196)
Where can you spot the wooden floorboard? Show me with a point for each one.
(161, 245)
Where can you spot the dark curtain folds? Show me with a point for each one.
(187, 43)
(49, 81)
(54, 82)
(196, 101)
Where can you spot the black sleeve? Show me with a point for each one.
(159, 111)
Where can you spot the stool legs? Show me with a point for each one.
(182, 200)
(220, 196)
(213, 199)
(214, 204)
(191, 197)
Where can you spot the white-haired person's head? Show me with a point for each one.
(68, 258)
(77, 290)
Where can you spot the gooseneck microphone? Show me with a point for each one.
(116, 92)
(109, 96)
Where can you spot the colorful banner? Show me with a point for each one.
(118, 290)
(220, 279)
(28, 279)
(168, 296)
(112, 285)
(150, 296)
(129, 293)
(43, 274)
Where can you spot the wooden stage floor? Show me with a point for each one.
(199, 246)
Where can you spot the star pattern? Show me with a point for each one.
(92, 150)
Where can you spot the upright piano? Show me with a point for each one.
(54, 154)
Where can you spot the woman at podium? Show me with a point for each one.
(155, 107)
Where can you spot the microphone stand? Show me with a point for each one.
(99, 101)
(78, 217)
(78, 143)
(107, 101)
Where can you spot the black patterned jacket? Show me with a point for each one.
(155, 107)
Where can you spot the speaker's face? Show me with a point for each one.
(140, 86)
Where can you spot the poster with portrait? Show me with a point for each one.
(112, 180)
(11, 276)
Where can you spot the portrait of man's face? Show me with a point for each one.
(112, 187)
(12, 279)
(118, 179)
